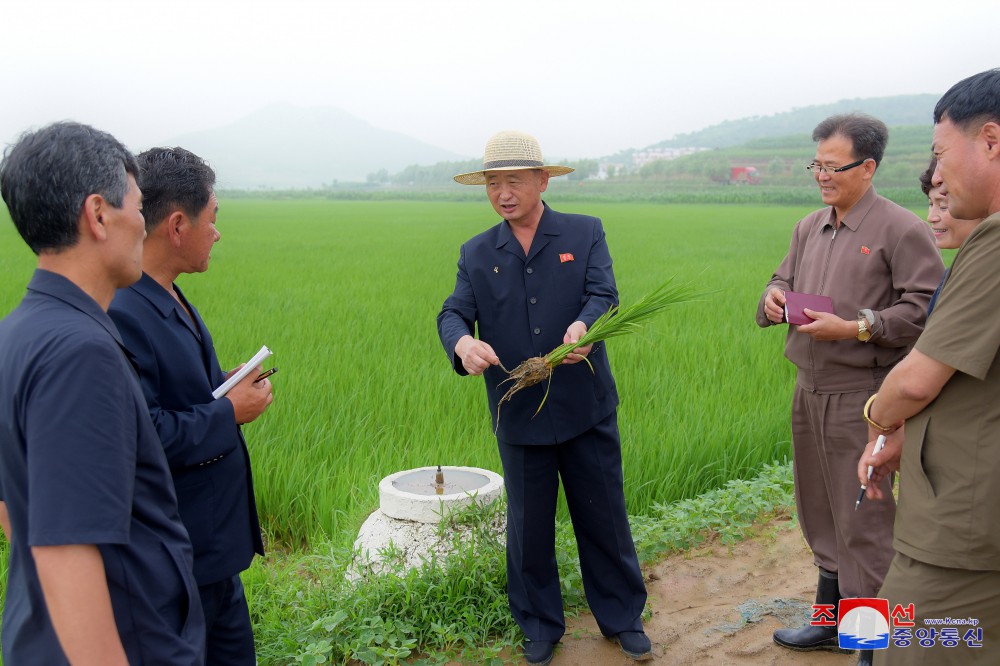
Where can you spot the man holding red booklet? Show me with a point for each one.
(859, 275)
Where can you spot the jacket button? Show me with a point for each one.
(532, 300)
(529, 270)
(538, 331)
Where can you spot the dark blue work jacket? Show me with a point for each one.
(178, 371)
(522, 306)
(80, 464)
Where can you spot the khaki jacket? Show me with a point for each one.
(883, 259)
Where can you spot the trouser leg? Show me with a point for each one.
(531, 481)
(941, 594)
(591, 470)
(228, 630)
(829, 437)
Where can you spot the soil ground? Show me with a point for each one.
(718, 605)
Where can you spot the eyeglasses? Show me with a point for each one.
(819, 168)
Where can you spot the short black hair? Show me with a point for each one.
(868, 135)
(927, 176)
(172, 178)
(972, 101)
(47, 174)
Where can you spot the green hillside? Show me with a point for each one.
(897, 110)
(778, 147)
(781, 161)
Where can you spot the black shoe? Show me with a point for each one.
(809, 638)
(865, 657)
(634, 644)
(538, 653)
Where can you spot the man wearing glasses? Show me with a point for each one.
(879, 265)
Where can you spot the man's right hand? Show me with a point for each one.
(883, 463)
(774, 305)
(250, 398)
(476, 355)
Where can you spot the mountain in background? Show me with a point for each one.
(288, 147)
(284, 146)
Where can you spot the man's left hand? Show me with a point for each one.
(828, 326)
(576, 331)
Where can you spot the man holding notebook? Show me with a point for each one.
(178, 370)
(878, 265)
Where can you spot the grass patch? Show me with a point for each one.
(306, 612)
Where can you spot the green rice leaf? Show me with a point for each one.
(624, 320)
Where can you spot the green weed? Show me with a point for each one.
(305, 611)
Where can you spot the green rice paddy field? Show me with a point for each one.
(346, 294)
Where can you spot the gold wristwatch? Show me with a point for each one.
(863, 333)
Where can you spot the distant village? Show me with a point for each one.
(641, 158)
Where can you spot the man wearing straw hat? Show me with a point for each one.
(537, 280)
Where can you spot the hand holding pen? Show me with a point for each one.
(265, 375)
(251, 396)
(879, 443)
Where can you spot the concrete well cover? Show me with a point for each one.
(404, 504)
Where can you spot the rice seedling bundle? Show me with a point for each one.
(618, 320)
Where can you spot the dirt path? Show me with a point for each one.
(719, 605)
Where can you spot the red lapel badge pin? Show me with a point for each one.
(865, 249)
(564, 257)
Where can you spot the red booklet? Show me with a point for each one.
(796, 302)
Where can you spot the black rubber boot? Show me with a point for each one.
(809, 637)
(865, 657)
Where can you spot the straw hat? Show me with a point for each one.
(510, 151)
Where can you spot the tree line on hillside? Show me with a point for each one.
(897, 110)
(780, 162)
(442, 173)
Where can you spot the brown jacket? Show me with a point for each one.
(950, 471)
(883, 259)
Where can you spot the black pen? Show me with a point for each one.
(879, 443)
(265, 374)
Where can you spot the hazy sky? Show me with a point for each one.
(588, 78)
